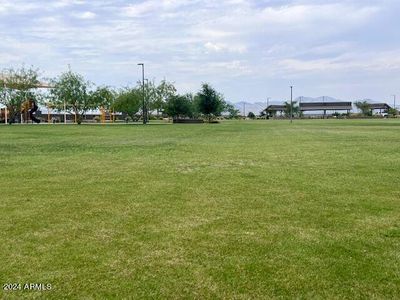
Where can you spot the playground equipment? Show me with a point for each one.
(4, 115)
(50, 107)
(104, 113)
(26, 112)
(28, 108)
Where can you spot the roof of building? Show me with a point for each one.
(310, 106)
(275, 108)
(379, 106)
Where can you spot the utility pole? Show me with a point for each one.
(291, 104)
(143, 106)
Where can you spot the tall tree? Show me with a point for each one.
(18, 86)
(393, 112)
(294, 108)
(129, 101)
(232, 111)
(150, 95)
(178, 106)
(364, 107)
(251, 115)
(161, 93)
(104, 97)
(210, 102)
(73, 91)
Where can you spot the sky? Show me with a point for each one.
(248, 50)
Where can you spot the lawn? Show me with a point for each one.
(244, 209)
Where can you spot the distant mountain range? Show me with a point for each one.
(247, 107)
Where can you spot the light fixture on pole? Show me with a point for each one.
(143, 106)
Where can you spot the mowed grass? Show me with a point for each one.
(245, 209)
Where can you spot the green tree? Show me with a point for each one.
(210, 102)
(150, 95)
(251, 115)
(178, 106)
(161, 94)
(294, 108)
(104, 97)
(233, 112)
(364, 107)
(18, 86)
(129, 102)
(193, 99)
(393, 112)
(73, 91)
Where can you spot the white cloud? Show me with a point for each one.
(8, 7)
(65, 3)
(138, 10)
(87, 15)
(221, 47)
(306, 14)
(151, 6)
(366, 62)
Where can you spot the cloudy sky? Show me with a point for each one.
(249, 50)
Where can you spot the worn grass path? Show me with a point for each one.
(260, 209)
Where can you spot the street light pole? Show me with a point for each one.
(394, 101)
(147, 105)
(291, 104)
(266, 107)
(300, 111)
(143, 107)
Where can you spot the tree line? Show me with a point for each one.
(72, 93)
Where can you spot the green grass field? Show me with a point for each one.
(245, 209)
